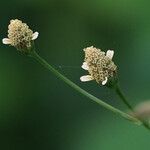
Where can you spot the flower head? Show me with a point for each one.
(99, 65)
(20, 35)
(142, 110)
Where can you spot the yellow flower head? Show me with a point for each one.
(20, 35)
(100, 66)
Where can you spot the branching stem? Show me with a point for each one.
(125, 101)
(81, 91)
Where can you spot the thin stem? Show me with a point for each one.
(125, 101)
(146, 125)
(81, 91)
(122, 96)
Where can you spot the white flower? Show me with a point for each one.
(100, 66)
(20, 35)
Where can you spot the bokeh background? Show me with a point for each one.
(37, 110)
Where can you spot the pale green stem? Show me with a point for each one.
(81, 91)
(125, 101)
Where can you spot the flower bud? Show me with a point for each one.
(142, 110)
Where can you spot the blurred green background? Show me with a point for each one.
(37, 110)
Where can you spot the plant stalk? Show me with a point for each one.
(125, 101)
(81, 91)
(122, 97)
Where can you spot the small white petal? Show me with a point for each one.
(90, 47)
(86, 78)
(35, 35)
(6, 41)
(105, 81)
(85, 66)
(110, 54)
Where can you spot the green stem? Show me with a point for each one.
(122, 96)
(125, 101)
(145, 124)
(83, 92)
